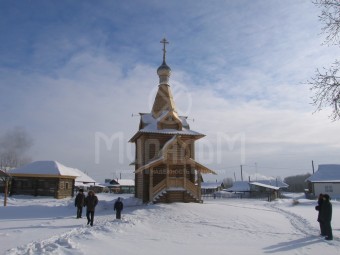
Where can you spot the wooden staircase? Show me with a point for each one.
(175, 190)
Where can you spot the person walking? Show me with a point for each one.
(118, 207)
(326, 217)
(79, 203)
(90, 201)
(318, 208)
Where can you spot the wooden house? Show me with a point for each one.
(209, 188)
(43, 178)
(121, 186)
(85, 182)
(325, 180)
(165, 166)
(270, 189)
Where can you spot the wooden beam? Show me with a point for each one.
(151, 185)
(167, 175)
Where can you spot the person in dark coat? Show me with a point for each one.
(79, 203)
(118, 207)
(326, 217)
(90, 202)
(318, 208)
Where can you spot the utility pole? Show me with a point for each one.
(313, 166)
(241, 174)
(255, 171)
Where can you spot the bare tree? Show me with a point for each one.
(325, 83)
(14, 146)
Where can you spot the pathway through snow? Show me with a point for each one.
(217, 226)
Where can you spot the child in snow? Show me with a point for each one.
(118, 207)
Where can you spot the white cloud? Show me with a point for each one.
(237, 70)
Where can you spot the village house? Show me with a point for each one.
(165, 166)
(269, 189)
(121, 186)
(325, 180)
(83, 181)
(209, 188)
(45, 178)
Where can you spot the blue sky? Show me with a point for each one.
(75, 71)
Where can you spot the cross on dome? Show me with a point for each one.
(164, 71)
(164, 41)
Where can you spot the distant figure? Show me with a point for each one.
(118, 207)
(90, 201)
(319, 208)
(326, 216)
(79, 203)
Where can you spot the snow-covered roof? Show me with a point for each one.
(52, 168)
(210, 185)
(83, 177)
(326, 173)
(272, 182)
(150, 126)
(264, 185)
(126, 182)
(242, 186)
(81, 184)
(239, 186)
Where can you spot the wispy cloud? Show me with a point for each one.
(70, 70)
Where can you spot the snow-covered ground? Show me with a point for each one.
(30, 225)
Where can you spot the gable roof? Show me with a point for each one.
(47, 168)
(239, 186)
(264, 185)
(210, 185)
(273, 183)
(161, 159)
(126, 182)
(84, 178)
(326, 173)
(244, 186)
(149, 124)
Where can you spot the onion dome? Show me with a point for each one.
(164, 71)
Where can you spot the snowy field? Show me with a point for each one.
(40, 225)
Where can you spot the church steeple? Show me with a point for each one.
(164, 100)
(164, 71)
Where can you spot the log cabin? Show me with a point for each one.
(165, 166)
(43, 178)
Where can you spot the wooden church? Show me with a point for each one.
(165, 166)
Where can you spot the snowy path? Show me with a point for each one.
(217, 226)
